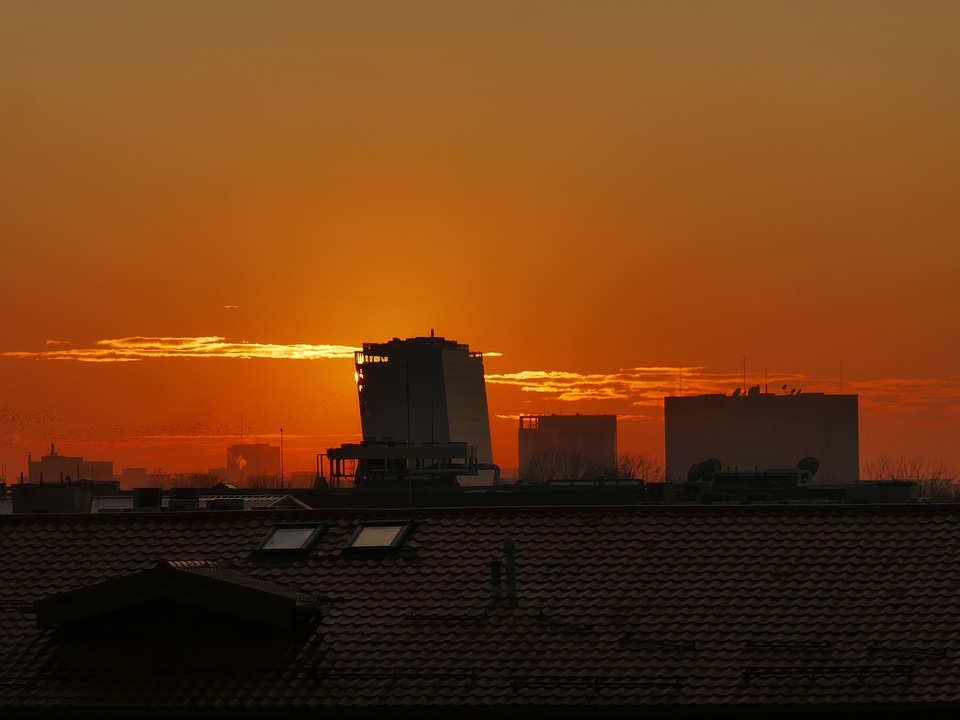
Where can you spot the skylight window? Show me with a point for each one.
(379, 536)
(290, 538)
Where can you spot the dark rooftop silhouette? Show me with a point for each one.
(610, 611)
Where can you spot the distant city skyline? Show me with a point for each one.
(209, 206)
(888, 408)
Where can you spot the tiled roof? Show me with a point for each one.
(615, 608)
(197, 585)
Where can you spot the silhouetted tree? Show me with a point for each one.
(263, 481)
(638, 466)
(197, 480)
(561, 464)
(939, 490)
(934, 480)
(157, 478)
(916, 468)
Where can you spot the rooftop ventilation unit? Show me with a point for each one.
(147, 498)
(51, 498)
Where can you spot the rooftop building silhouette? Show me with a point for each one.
(58, 468)
(552, 447)
(755, 429)
(424, 390)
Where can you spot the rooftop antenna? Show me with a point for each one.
(409, 440)
(744, 359)
(407, 375)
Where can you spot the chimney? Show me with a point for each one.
(496, 592)
(183, 499)
(509, 556)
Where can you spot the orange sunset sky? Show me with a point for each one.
(205, 206)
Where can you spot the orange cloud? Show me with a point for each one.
(643, 386)
(896, 396)
(647, 386)
(133, 349)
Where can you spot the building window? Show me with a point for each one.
(291, 538)
(380, 536)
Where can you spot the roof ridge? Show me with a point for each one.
(192, 564)
(287, 515)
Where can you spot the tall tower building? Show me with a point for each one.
(424, 390)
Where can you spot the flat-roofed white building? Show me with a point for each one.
(762, 430)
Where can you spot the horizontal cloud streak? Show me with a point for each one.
(899, 395)
(647, 386)
(132, 349)
(640, 385)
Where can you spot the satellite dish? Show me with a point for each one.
(708, 468)
(799, 391)
(693, 473)
(809, 465)
(736, 392)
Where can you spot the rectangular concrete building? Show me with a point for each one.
(63, 468)
(763, 430)
(566, 447)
